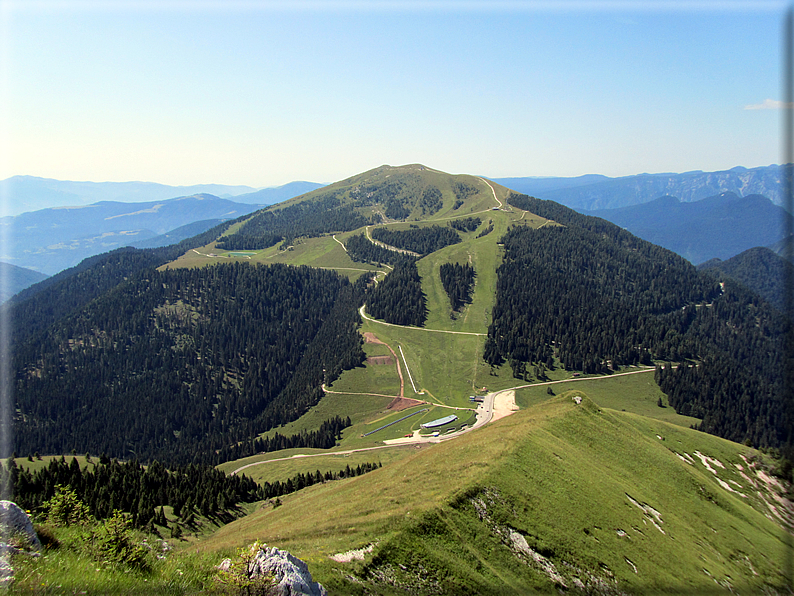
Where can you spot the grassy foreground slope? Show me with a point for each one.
(560, 494)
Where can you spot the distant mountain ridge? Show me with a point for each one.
(594, 192)
(720, 226)
(178, 234)
(277, 194)
(15, 279)
(30, 193)
(51, 240)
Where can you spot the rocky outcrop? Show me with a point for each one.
(16, 528)
(17, 536)
(290, 574)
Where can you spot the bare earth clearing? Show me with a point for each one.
(504, 404)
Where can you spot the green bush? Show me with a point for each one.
(65, 509)
(113, 542)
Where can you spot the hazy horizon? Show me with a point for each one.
(263, 93)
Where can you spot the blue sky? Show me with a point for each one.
(263, 93)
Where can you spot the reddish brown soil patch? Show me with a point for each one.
(371, 338)
(380, 360)
(401, 403)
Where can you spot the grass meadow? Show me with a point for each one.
(576, 481)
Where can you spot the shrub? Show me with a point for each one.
(113, 542)
(65, 509)
(241, 576)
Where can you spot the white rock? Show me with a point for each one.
(15, 522)
(292, 575)
(15, 528)
(290, 572)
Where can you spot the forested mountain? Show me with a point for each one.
(164, 362)
(758, 269)
(385, 194)
(175, 364)
(190, 362)
(15, 279)
(46, 302)
(115, 356)
(598, 298)
(720, 227)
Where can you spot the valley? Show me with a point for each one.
(575, 473)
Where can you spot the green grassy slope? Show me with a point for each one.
(603, 496)
(449, 366)
(636, 393)
(614, 497)
(322, 252)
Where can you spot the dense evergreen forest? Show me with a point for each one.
(758, 269)
(467, 224)
(325, 437)
(177, 364)
(322, 215)
(40, 305)
(431, 201)
(419, 240)
(458, 282)
(599, 303)
(110, 485)
(399, 299)
(106, 486)
(362, 250)
(598, 298)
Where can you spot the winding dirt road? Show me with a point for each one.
(364, 315)
(496, 405)
(501, 205)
